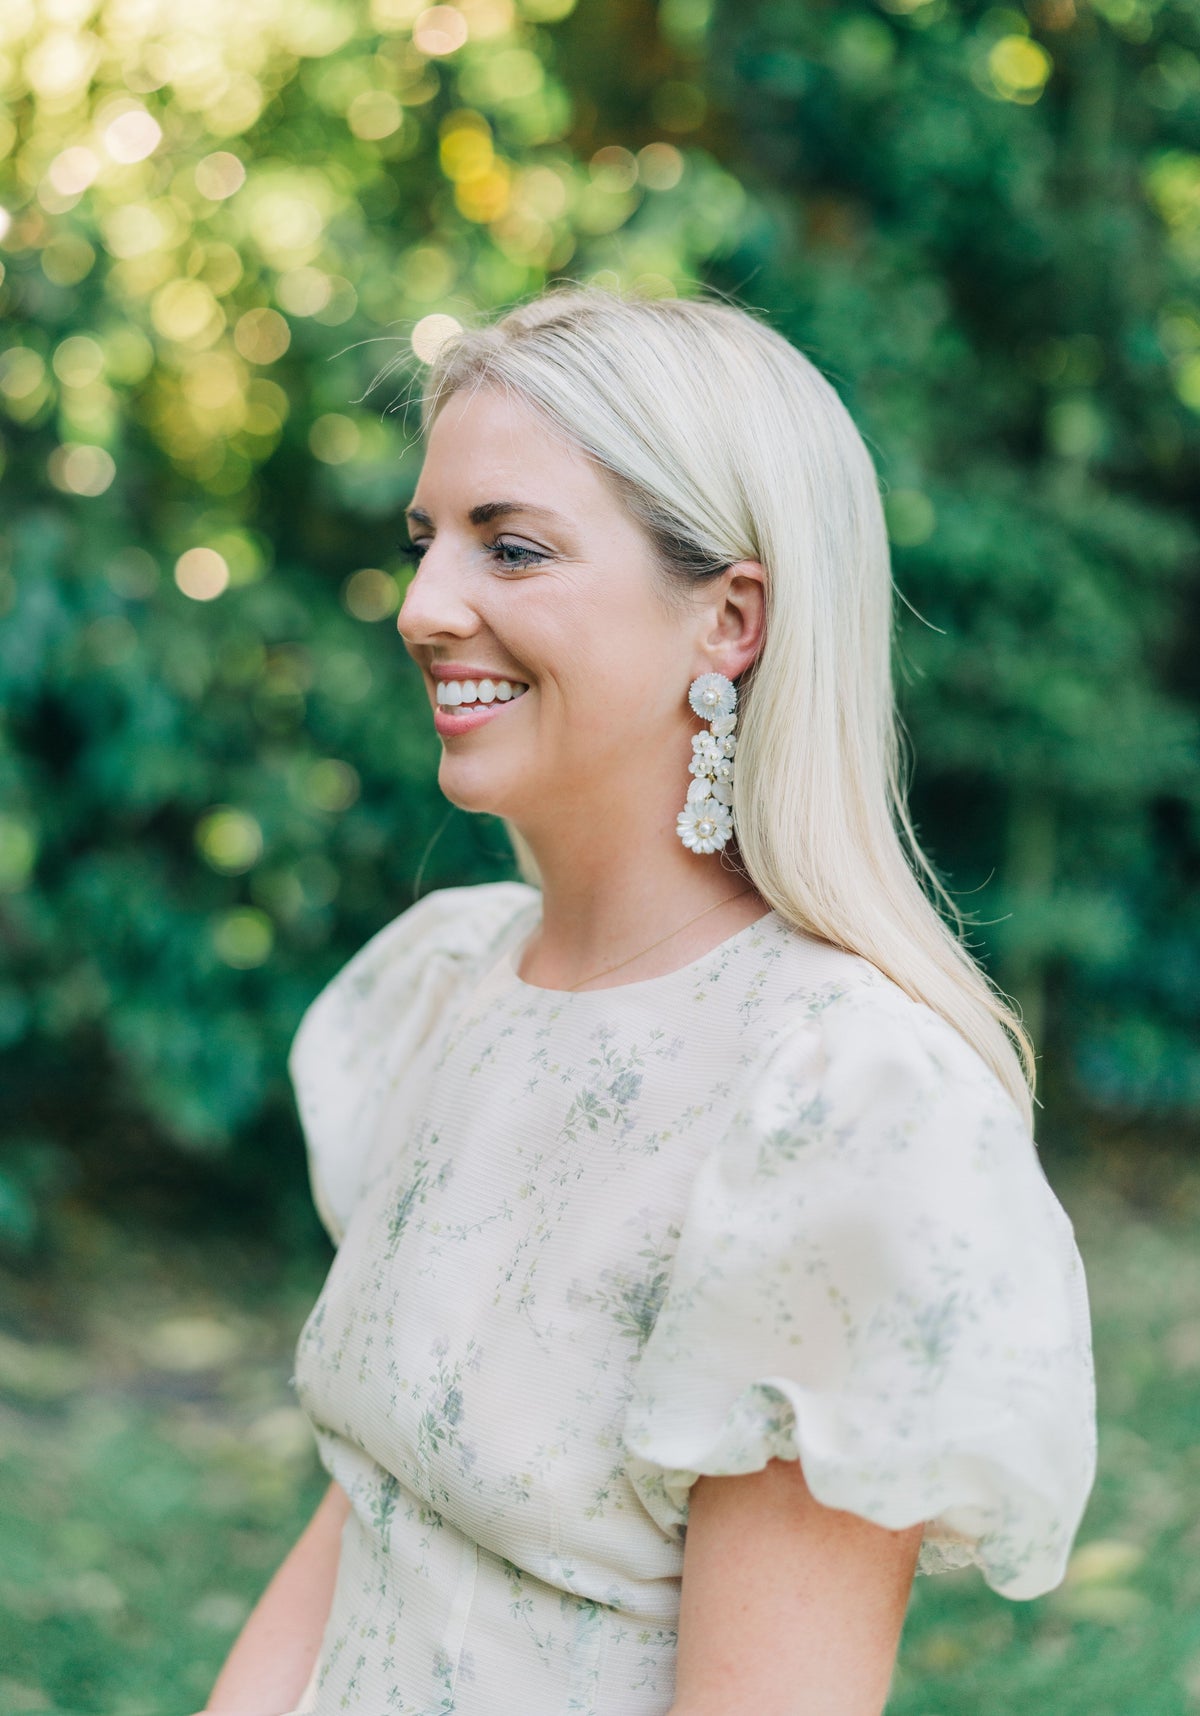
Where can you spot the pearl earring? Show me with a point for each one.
(706, 821)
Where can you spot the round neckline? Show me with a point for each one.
(511, 958)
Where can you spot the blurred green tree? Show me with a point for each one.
(228, 244)
(221, 238)
(985, 227)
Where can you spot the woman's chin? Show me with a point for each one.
(473, 788)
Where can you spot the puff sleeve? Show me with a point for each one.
(875, 1277)
(356, 1038)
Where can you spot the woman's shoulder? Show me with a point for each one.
(811, 987)
(461, 923)
(363, 1028)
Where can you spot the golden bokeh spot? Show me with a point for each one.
(230, 840)
(215, 384)
(374, 114)
(74, 170)
(78, 360)
(21, 371)
(1187, 383)
(334, 439)
(465, 147)
(285, 217)
(427, 272)
(243, 937)
(132, 136)
(1019, 68)
(486, 198)
(654, 285)
(202, 574)
(505, 76)
(430, 335)
(370, 594)
(331, 785)
(660, 166)
(218, 265)
(439, 30)
(541, 191)
(63, 63)
(219, 175)
(303, 291)
(68, 259)
(135, 229)
(522, 236)
(262, 336)
(614, 168)
(245, 553)
(487, 19)
(18, 851)
(78, 469)
(186, 311)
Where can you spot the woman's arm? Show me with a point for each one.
(269, 1666)
(788, 1608)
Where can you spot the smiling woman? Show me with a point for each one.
(697, 1278)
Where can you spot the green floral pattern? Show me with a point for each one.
(591, 1246)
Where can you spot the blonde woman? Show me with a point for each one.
(690, 1182)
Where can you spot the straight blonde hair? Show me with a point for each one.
(727, 443)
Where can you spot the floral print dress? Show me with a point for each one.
(592, 1245)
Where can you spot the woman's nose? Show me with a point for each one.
(435, 603)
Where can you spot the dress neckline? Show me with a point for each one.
(510, 958)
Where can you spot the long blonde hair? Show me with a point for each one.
(728, 444)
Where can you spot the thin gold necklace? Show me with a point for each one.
(679, 931)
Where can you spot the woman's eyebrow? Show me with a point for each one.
(488, 510)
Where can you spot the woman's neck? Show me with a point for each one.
(607, 899)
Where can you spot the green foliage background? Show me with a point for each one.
(983, 223)
(229, 235)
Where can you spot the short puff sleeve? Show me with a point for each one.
(874, 1277)
(356, 1038)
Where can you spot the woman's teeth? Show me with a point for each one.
(451, 693)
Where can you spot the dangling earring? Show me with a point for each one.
(706, 821)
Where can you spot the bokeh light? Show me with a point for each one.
(243, 938)
(439, 30)
(334, 439)
(262, 336)
(132, 136)
(431, 334)
(230, 840)
(370, 594)
(18, 850)
(202, 574)
(219, 175)
(80, 469)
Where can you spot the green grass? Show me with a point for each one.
(154, 1470)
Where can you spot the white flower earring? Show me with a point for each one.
(706, 821)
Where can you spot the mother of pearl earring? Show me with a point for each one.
(706, 821)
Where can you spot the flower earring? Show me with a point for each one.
(706, 821)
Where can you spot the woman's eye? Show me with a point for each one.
(526, 556)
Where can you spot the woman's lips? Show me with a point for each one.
(449, 719)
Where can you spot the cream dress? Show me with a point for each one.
(592, 1245)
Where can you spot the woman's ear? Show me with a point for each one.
(736, 615)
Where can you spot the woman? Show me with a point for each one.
(690, 1182)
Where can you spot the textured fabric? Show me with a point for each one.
(591, 1246)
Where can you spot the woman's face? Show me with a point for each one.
(532, 573)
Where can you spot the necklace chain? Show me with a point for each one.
(678, 931)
